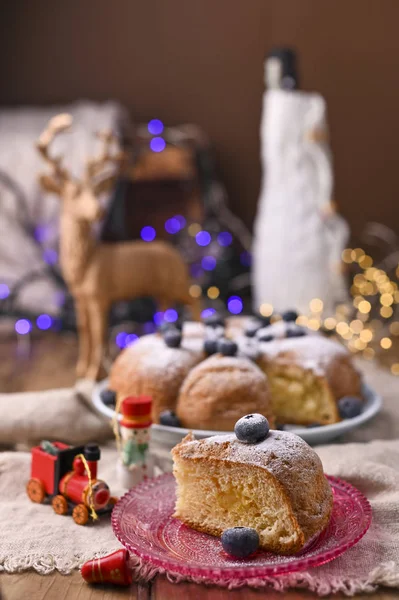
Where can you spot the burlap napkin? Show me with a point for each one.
(63, 414)
(34, 537)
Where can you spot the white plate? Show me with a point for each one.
(167, 437)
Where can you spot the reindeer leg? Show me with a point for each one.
(98, 314)
(84, 338)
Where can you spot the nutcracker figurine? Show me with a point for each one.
(134, 464)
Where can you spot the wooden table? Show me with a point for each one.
(49, 364)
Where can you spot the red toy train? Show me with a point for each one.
(59, 472)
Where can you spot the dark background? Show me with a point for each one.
(202, 61)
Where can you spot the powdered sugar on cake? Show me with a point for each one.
(313, 352)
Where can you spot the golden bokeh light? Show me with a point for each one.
(360, 345)
(385, 343)
(394, 328)
(330, 323)
(386, 312)
(386, 299)
(266, 309)
(368, 353)
(316, 305)
(395, 369)
(347, 255)
(213, 292)
(194, 228)
(364, 307)
(366, 335)
(356, 326)
(342, 328)
(195, 291)
(302, 320)
(314, 324)
(366, 261)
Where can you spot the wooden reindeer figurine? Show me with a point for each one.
(96, 273)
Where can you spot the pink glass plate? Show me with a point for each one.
(142, 521)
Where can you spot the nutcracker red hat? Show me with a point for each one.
(136, 412)
(113, 568)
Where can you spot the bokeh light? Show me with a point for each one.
(266, 309)
(148, 233)
(120, 339)
(157, 144)
(207, 312)
(50, 256)
(155, 127)
(225, 238)
(171, 315)
(4, 291)
(208, 263)
(131, 338)
(203, 238)
(23, 326)
(213, 292)
(195, 290)
(234, 305)
(158, 318)
(172, 225)
(44, 322)
(149, 327)
(246, 259)
(181, 220)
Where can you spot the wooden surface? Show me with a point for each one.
(51, 363)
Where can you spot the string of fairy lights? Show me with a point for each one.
(367, 325)
(370, 323)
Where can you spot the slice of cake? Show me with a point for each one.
(275, 486)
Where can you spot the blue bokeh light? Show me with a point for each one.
(158, 318)
(148, 233)
(181, 220)
(225, 238)
(149, 327)
(203, 238)
(208, 312)
(235, 305)
(121, 339)
(41, 233)
(157, 144)
(4, 291)
(172, 225)
(246, 259)
(130, 339)
(23, 326)
(208, 263)
(44, 322)
(155, 127)
(171, 315)
(50, 256)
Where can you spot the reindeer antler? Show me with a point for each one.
(95, 165)
(55, 125)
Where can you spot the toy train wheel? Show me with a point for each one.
(35, 490)
(80, 514)
(60, 505)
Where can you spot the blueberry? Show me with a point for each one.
(210, 347)
(240, 542)
(214, 320)
(297, 332)
(266, 337)
(252, 328)
(289, 315)
(349, 407)
(227, 347)
(168, 417)
(172, 338)
(252, 429)
(165, 326)
(108, 397)
(264, 320)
